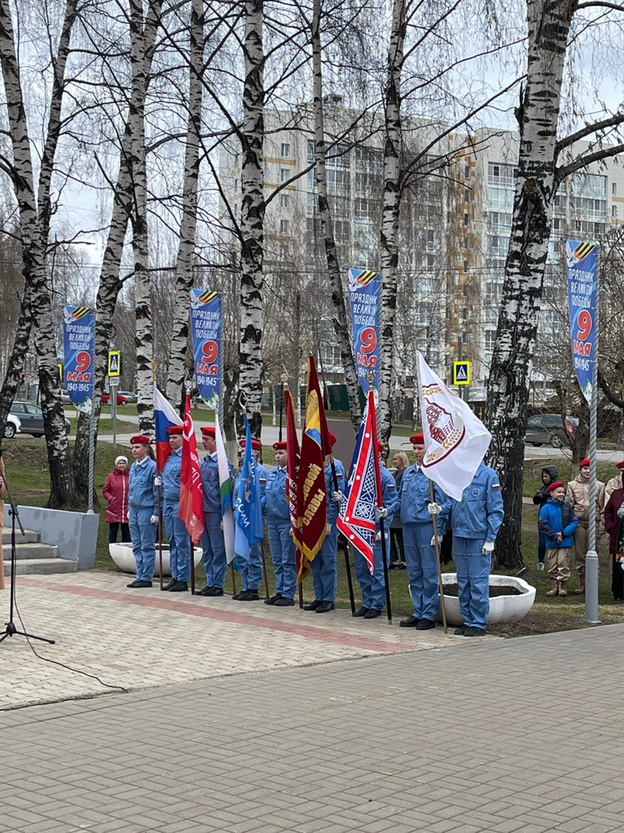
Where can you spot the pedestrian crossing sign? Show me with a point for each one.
(114, 363)
(461, 373)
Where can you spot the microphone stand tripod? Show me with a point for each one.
(10, 629)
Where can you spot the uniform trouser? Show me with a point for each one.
(214, 550)
(324, 568)
(473, 578)
(617, 578)
(179, 542)
(372, 586)
(250, 567)
(558, 563)
(143, 535)
(396, 544)
(422, 569)
(283, 556)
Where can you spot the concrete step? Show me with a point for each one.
(42, 566)
(29, 538)
(30, 551)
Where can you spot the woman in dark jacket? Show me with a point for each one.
(397, 557)
(540, 498)
(614, 524)
(116, 493)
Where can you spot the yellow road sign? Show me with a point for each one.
(114, 363)
(461, 373)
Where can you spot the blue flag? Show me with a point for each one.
(248, 507)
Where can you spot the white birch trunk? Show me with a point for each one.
(188, 226)
(341, 317)
(507, 397)
(252, 218)
(33, 253)
(390, 214)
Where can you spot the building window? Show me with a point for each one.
(466, 218)
(501, 176)
(467, 172)
(614, 189)
(430, 261)
(430, 237)
(285, 150)
(614, 212)
(284, 226)
(284, 174)
(466, 266)
(284, 200)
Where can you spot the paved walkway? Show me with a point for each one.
(303, 727)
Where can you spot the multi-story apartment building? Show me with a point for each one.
(454, 234)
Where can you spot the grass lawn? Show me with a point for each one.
(27, 468)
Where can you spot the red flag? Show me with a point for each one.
(312, 499)
(292, 467)
(191, 509)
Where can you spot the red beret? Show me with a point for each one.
(208, 431)
(332, 438)
(175, 430)
(255, 444)
(584, 462)
(417, 439)
(280, 446)
(556, 485)
(140, 439)
(380, 446)
(620, 465)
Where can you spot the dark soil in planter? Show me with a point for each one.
(504, 590)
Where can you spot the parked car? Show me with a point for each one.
(130, 396)
(13, 426)
(121, 399)
(31, 418)
(549, 429)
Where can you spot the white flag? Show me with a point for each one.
(455, 439)
(225, 486)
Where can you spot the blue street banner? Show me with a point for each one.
(364, 302)
(582, 275)
(206, 334)
(78, 340)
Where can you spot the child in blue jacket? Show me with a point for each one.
(558, 524)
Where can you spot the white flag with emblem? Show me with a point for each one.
(455, 439)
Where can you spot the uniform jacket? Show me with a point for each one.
(274, 503)
(209, 468)
(142, 492)
(611, 485)
(479, 514)
(613, 523)
(332, 507)
(416, 496)
(554, 517)
(171, 477)
(115, 491)
(577, 495)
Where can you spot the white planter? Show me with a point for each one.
(502, 608)
(124, 559)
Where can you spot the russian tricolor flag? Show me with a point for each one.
(164, 417)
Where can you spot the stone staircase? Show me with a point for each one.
(32, 557)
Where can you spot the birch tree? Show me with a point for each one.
(542, 166)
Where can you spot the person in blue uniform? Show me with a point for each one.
(420, 556)
(475, 521)
(212, 539)
(251, 565)
(323, 565)
(373, 587)
(277, 512)
(142, 511)
(177, 533)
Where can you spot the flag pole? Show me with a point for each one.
(384, 559)
(264, 569)
(437, 553)
(192, 566)
(160, 563)
(346, 552)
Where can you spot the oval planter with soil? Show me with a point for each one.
(510, 599)
(123, 557)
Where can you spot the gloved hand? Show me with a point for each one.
(154, 519)
(381, 512)
(622, 564)
(434, 508)
(433, 540)
(378, 536)
(337, 497)
(158, 480)
(621, 511)
(488, 547)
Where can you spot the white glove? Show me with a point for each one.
(433, 540)
(434, 508)
(154, 519)
(381, 512)
(378, 537)
(488, 547)
(158, 480)
(337, 497)
(621, 511)
(622, 564)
